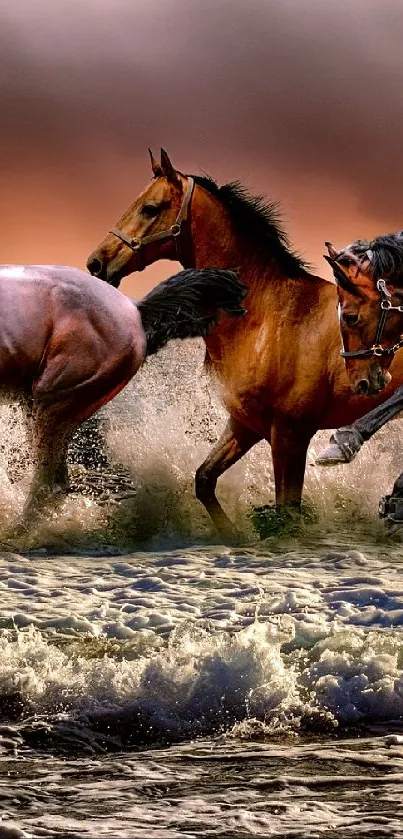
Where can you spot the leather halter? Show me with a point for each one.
(377, 349)
(172, 233)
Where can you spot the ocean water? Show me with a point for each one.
(156, 683)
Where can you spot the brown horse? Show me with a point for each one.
(369, 276)
(71, 344)
(280, 369)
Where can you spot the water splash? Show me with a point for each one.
(160, 429)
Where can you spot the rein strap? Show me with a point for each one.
(173, 232)
(377, 349)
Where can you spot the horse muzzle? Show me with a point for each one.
(372, 383)
(104, 270)
(96, 267)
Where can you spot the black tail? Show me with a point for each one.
(186, 305)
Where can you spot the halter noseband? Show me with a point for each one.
(377, 349)
(173, 232)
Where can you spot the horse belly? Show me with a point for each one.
(255, 390)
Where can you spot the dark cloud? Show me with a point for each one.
(300, 98)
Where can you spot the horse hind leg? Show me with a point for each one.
(235, 441)
(53, 427)
(63, 400)
(52, 432)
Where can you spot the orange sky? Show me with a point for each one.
(299, 99)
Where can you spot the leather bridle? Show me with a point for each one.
(172, 233)
(377, 349)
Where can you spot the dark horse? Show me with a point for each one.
(280, 369)
(369, 275)
(71, 344)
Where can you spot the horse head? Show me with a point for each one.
(370, 314)
(151, 228)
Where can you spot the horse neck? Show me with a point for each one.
(213, 238)
(216, 243)
(274, 300)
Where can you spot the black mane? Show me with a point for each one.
(385, 254)
(260, 221)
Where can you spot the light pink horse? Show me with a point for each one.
(71, 343)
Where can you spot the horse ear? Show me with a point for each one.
(167, 168)
(332, 250)
(341, 277)
(157, 170)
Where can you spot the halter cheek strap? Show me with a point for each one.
(172, 233)
(377, 349)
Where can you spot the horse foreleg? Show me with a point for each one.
(52, 427)
(289, 443)
(346, 442)
(232, 445)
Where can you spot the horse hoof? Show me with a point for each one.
(331, 456)
(234, 540)
(229, 535)
(16, 532)
(231, 539)
(344, 445)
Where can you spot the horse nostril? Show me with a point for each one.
(95, 266)
(363, 386)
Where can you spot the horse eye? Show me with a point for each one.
(351, 320)
(150, 210)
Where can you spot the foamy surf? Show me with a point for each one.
(200, 641)
(240, 678)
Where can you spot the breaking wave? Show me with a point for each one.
(158, 648)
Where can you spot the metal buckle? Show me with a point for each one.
(381, 286)
(175, 230)
(378, 350)
(135, 244)
(386, 305)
